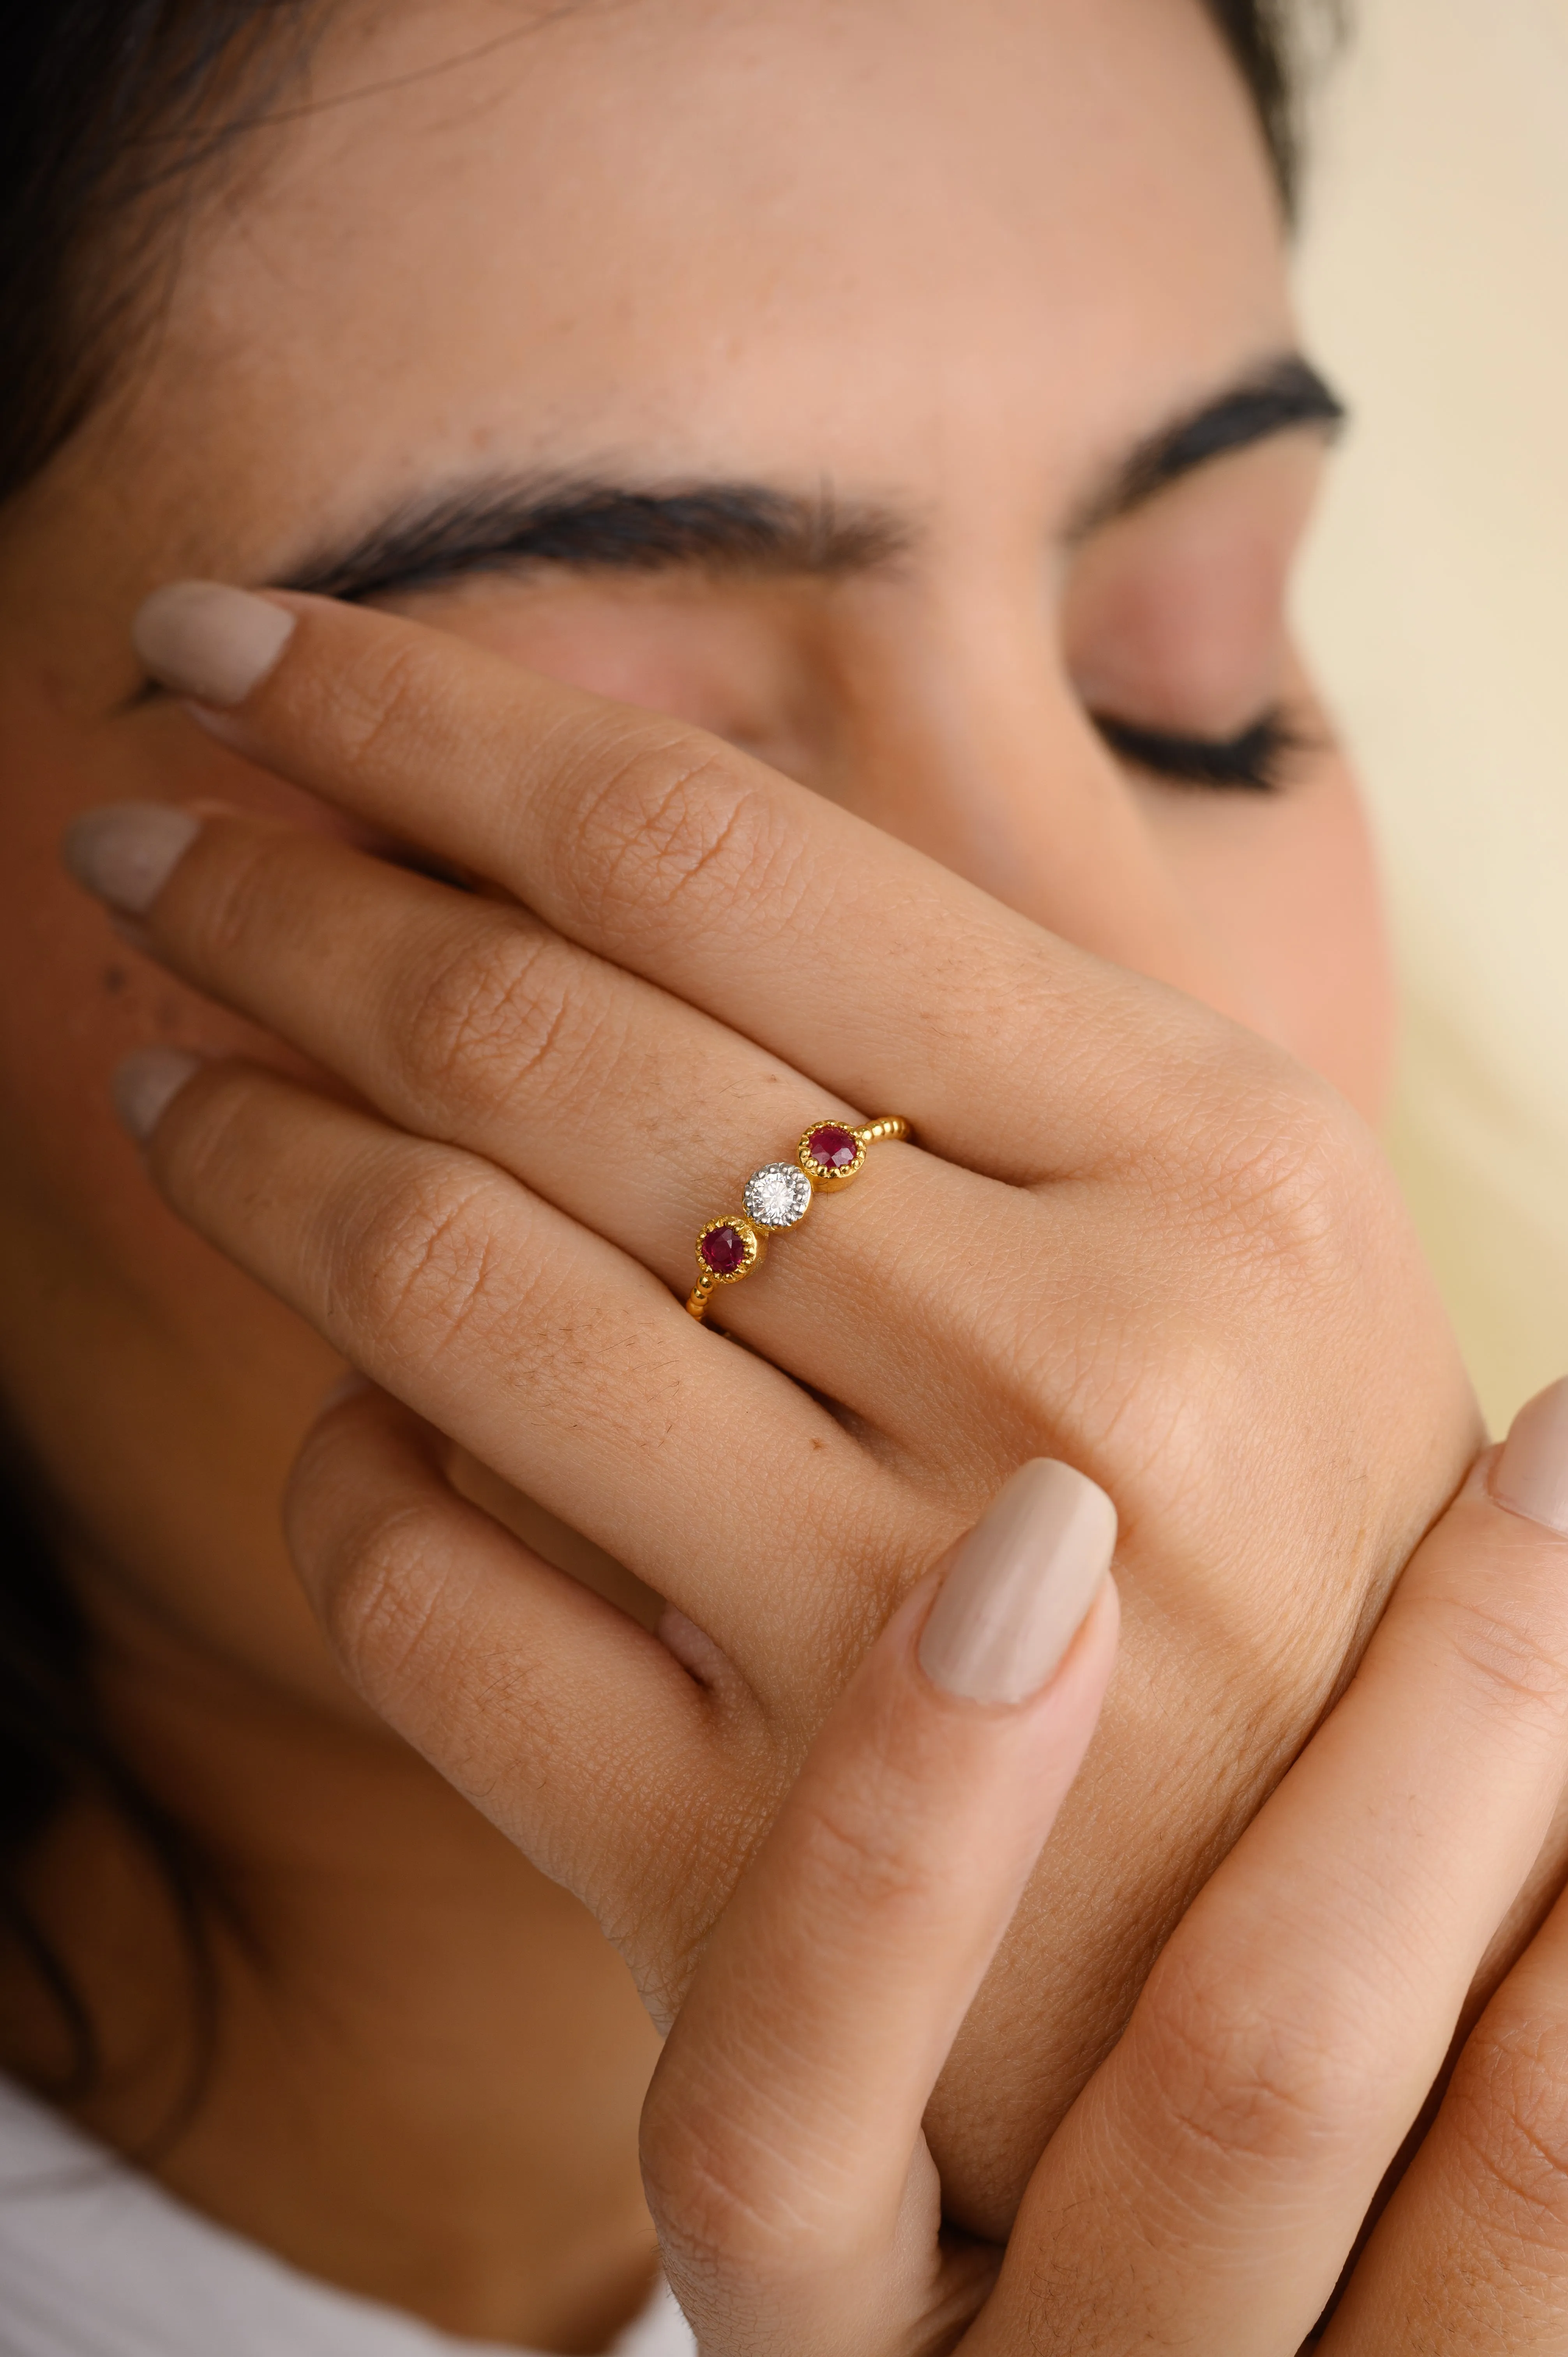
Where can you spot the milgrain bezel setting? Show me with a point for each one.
(821, 1179)
(792, 1174)
(754, 1241)
(825, 1179)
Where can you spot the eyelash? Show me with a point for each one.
(1254, 762)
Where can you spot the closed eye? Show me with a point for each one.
(1257, 761)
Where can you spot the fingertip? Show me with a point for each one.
(209, 641)
(1021, 1587)
(351, 1385)
(1530, 1473)
(146, 1083)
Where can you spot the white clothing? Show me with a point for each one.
(96, 2260)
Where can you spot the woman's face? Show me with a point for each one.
(924, 309)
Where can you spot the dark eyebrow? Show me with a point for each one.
(590, 525)
(584, 524)
(1277, 398)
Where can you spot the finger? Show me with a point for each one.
(680, 857)
(781, 2138)
(495, 1318)
(1472, 2251)
(1215, 2172)
(469, 1021)
(569, 1725)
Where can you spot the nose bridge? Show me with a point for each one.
(979, 752)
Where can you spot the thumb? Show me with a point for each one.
(796, 2205)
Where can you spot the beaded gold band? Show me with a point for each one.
(829, 1156)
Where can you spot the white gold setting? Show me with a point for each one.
(778, 1194)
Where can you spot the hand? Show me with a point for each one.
(1209, 2185)
(1132, 1236)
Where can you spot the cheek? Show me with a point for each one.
(1287, 889)
(162, 1393)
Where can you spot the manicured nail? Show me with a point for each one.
(1531, 1474)
(1017, 1591)
(144, 1085)
(205, 639)
(126, 852)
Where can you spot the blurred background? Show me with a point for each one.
(1434, 284)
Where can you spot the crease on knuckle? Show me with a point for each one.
(728, 2210)
(376, 1598)
(399, 1610)
(1508, 2106)
(417, 1270)
(845, 1846)
(487, 1016)
(695, 2193)
(1520, 1676)
(204, 1152)
(670, 823)
(236, 889)
(1277, 2084)
(1285, 1183)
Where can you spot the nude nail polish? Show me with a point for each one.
(126, 852)
(1531, 1474)
(209, 642)
(1020, 1584)
(147, 1083)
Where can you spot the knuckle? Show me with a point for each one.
(1508, 2106)
(206, 1140)
(728, 2209)
(694, 2193)
(1519, 1675)
(242, 873)
(375, 1591)
(845, 1846)
(667, 823)
(416, 1265)
(1284, 1181)
(1270, 2080)
(487, 1013)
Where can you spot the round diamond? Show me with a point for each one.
(778, 1194)
(832, 1148)
(724, 1249)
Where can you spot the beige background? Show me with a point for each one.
(1436, 287)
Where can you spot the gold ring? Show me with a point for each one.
(830, 1155)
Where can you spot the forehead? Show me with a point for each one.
(871, 240)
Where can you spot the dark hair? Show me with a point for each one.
(54, 1749)
(112, 112)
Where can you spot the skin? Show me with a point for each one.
(1084, 245)
(1207, 2186)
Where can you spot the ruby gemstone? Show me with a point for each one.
(724, 1249)
(832, 1148)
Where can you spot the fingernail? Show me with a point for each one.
(205, 639)
(144, 1085)
(1531, 1474)
(1016, 1593)
(126, 852)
